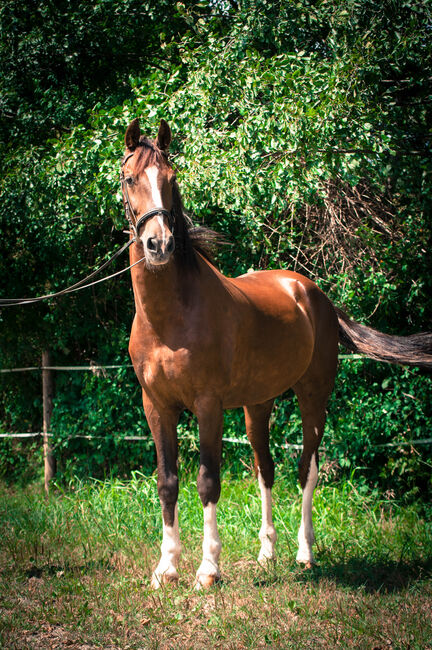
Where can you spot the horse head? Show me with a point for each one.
(147, 182)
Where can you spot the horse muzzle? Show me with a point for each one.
(158, 250)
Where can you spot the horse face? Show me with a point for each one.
(148, 190)
(149, 180)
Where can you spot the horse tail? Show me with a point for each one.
(414, 350)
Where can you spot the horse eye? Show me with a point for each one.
(129, 180)
(173, 179)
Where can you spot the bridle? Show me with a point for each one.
(129, 211)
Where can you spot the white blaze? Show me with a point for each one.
(162, 227)
(306, 533)
(152, 175)
(267, 532)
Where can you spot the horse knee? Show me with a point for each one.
(168, 489)
(208, 484)
(304, 467)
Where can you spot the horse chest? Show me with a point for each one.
(164, 364)
(179, 375)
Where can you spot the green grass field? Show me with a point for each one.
(75, 571)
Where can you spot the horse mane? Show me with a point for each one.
(189, 239)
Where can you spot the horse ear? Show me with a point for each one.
(132, 134)
(164, 136)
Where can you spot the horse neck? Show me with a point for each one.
(161, 296)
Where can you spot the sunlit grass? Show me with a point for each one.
(76, 569)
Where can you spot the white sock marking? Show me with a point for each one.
(211, 544)
(170, 553)
(267, 532)
(306, 533)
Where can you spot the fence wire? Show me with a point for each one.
(96, 368)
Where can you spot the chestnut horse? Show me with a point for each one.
(204, 342)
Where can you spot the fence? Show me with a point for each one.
(47, 370)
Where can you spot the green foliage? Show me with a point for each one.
(301, 132)
(107, 408)
(20, 462)
(59, 58)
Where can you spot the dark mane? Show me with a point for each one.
(192, 239)
(189, 239)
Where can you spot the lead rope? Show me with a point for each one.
(81, 284)
(84, 283)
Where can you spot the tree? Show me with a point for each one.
(301, 131)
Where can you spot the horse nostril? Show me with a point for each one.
(152, 244)
(170, 246)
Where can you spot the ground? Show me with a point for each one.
(75, 571)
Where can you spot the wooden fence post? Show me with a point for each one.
(47, 392)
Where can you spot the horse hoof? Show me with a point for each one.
(205, 582)
(266, 562)
(159, 580)
(307, 565)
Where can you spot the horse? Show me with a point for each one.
(205, 342)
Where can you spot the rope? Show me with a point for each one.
(81, 284)
(94, 368)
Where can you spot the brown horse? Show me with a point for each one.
(204, 342)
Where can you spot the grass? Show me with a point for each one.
(75, 571)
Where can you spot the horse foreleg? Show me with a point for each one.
(257, 428)
(163, 425)
(210, 420)
(166, 570)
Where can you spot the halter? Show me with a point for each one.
(129, 211)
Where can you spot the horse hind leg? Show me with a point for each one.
(308, 481)
(312, 394)
(257, 428)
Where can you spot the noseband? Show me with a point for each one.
(129, 211)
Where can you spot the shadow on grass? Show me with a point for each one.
(54, 569)
(372, 576)
(378, 576)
